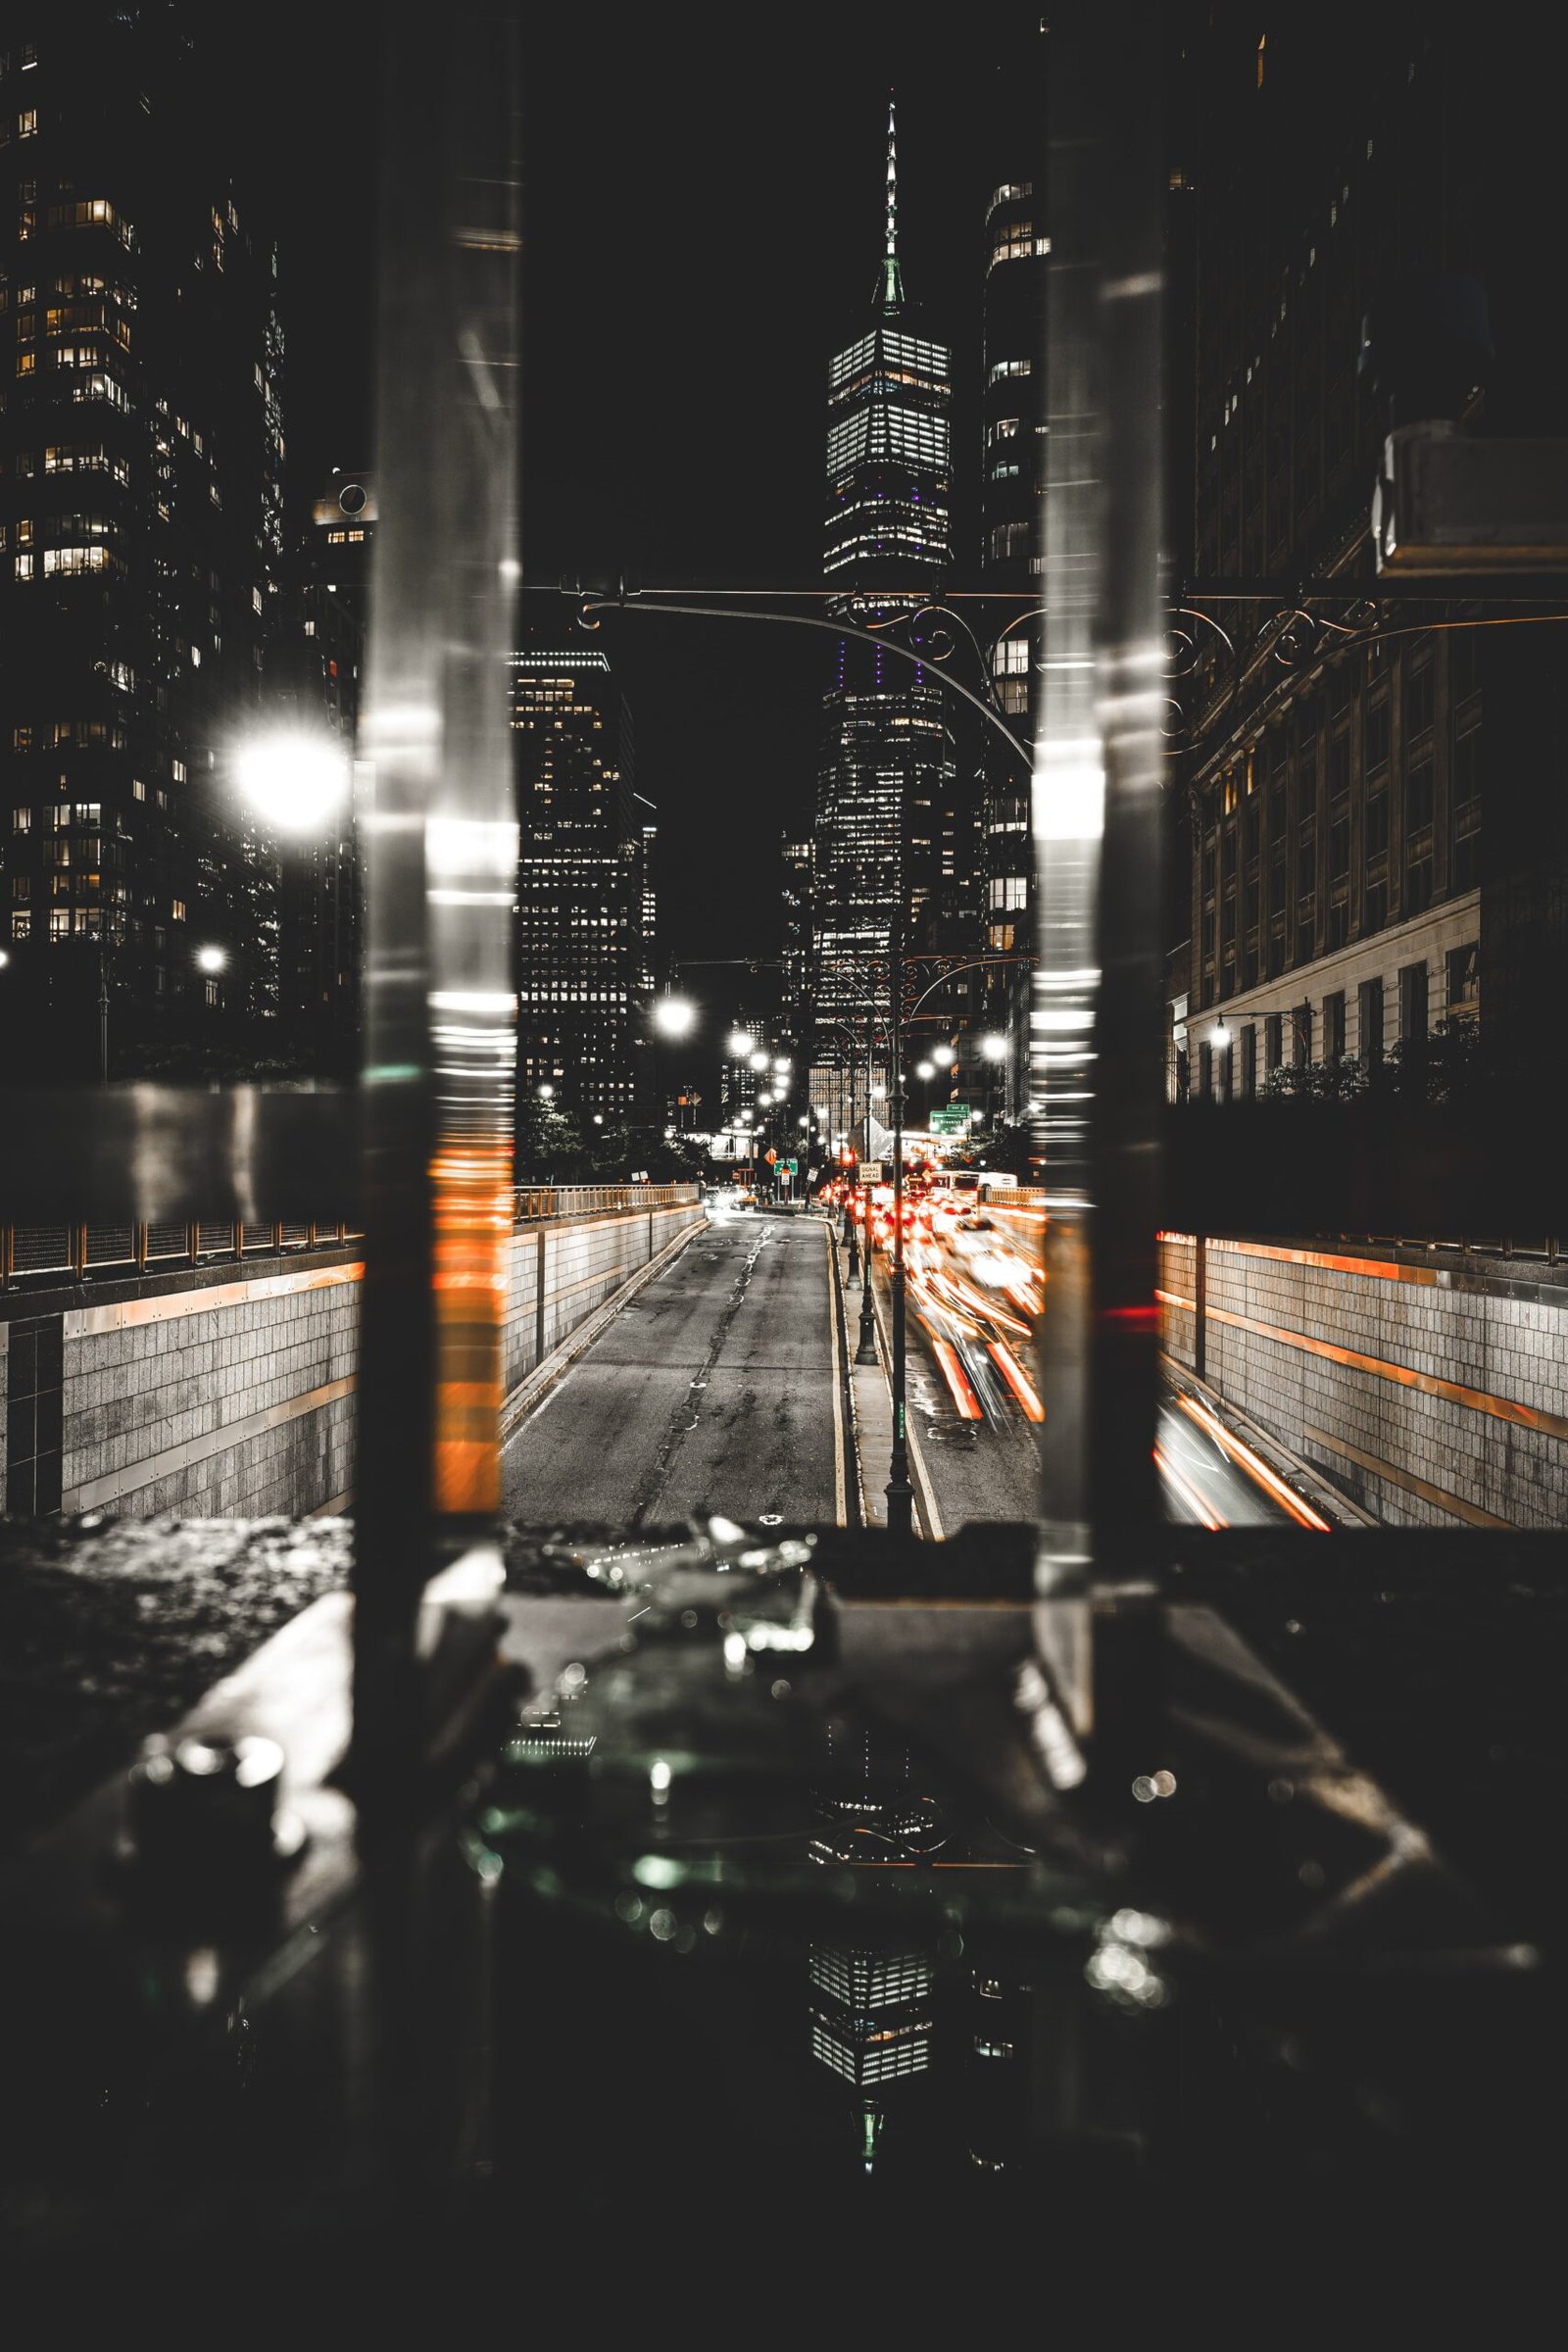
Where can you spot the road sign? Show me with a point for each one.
(951, 1118)
(770, 1155)
(793, 1167)
(870, 1171)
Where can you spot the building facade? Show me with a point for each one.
(1377, 850)
(141, 545)
(581, 952)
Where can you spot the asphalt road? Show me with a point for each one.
(991, 1468)
(712, 1391)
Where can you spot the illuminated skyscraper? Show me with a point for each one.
(1012, 485)
(887, 761)
(141, 453)
(580, 880)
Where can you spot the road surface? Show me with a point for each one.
(712, 1391)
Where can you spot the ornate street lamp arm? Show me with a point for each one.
(629, 603)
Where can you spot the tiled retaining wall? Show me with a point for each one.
(584, 1261)
(215, 1393)
(1433, 1394)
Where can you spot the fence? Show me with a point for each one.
(537, 1203)
(72, 1252)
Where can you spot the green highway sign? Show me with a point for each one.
(951, 1118)
(793, 1167)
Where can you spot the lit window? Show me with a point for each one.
(176, 910)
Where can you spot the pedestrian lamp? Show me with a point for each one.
(674, 1016)
(295, 778)
(211, 960)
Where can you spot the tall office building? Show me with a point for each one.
(1011, 487)
(141, 536)
(581, 952)
(887, 769)
(314, 670)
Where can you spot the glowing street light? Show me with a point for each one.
(782, 1063)
(758, 1060)
(296, 779)
(740, 1043)
(546, 1091)
(674, 1016)
(925, 1069)
(211, 960)
(994, 1048)
(1221, 1036)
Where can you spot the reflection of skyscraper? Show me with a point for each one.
(871, 2013)
(886, 768)
(580, 883)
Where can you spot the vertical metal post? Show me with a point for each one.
(900, 1492)
(1201, 1306)
(865, 1346)
(103, 1009)
(440, 834)
(1097, 1024)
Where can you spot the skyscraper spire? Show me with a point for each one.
(890, 289)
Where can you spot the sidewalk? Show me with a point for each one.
(872, 1402)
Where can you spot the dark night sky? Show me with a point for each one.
(702, 212)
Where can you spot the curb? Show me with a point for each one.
(533, 1384)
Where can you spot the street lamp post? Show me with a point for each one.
(900, 1492)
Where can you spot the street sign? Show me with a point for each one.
(951, 1118)
(770, 1155)
(870, 1171)
(793, 1167)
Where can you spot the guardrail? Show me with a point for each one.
(537, 1202)
(77, 1250)
(31, 1252)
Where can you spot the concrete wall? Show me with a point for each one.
(1433, 1394)
(229, 1391)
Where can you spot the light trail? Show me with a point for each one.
(1018, 1380)
(952, 1372)
(1255, 1467)
(1188, 1495)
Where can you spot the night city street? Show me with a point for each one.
(783, 1294)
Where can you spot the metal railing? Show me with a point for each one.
(74, 1252)
(535, 1203)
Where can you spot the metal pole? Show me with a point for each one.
(865, 1351)
(900, 1492)
(103, 1012)
(1097, 1020)
(853, 1280)
(440, 837)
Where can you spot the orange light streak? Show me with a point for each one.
(1189, 1493)
(958, 1380)
(1018, 1380)
(1256, 1469)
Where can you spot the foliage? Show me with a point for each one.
(1444, 1068)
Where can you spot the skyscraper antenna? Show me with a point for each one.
(891, 290)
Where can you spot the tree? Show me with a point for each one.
(550, 1149)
